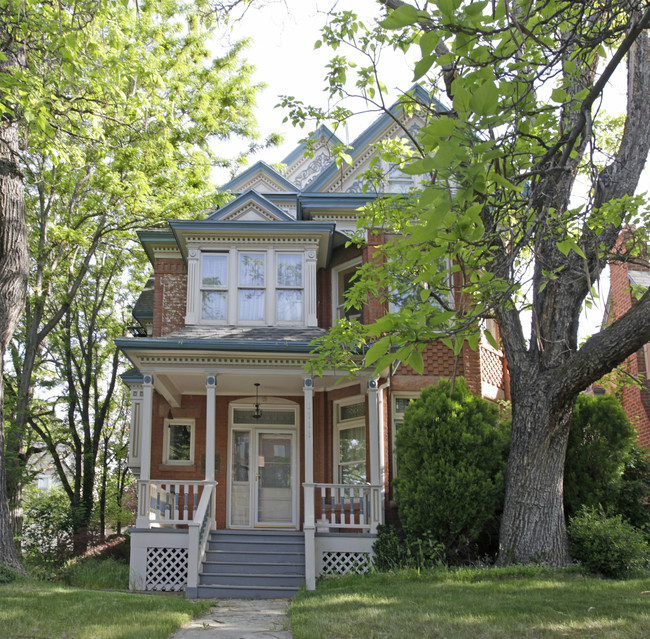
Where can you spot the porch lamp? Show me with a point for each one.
(257, 413)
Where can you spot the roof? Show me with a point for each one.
(639, 278)
(143, 308)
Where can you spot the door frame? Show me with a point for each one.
(254, 430)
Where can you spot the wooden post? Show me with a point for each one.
(142, 520)
(309, 526)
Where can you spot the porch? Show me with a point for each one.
(176, 546)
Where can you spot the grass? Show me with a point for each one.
(50, 611)
(481, 604)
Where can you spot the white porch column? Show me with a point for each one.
(210, 419)
(375, 443)
(373, 427)
(142, 520)
(309, 526)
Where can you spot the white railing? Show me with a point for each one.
(199, 533)
(344, 507)
(168, 503)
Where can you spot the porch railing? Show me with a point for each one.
(199, 533)
(168, 503)
(344, 506)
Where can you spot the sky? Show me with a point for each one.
(283, 33)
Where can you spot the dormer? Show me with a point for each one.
(250, 264)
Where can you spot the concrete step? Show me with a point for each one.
(217, 591)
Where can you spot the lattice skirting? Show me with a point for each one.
(344, 563)
(166, 569)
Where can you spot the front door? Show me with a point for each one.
(262, 478)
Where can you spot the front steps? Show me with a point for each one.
(252, 565)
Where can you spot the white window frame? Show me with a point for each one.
(167, 424)
(223, 288)
(195, 287)
(345, 424)
(395, 418)
(338, 309)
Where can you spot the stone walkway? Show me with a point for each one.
(240, 619)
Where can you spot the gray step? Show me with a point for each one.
(252, 581)
(216, 591)
(277, 568)
(257, 556)
(256, 546)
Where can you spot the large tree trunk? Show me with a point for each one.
(532, 526)
(13, 269)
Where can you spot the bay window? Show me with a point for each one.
(289, 291)
(214, 286)
(251, 293)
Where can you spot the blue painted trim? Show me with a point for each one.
(373, 131)
(230, 345)
(132, 377)
(322, 131)
(241, 200)
(262, 167)
(150, 236)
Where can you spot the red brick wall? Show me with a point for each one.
(170, 296)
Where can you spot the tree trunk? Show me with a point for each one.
(533, 526)
(13, 267)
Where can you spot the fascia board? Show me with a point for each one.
(263, 167)
(245, 197)
(322, 131)
(150, 239)
(130, 346)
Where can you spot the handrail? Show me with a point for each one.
(168, 502)
(199, 533)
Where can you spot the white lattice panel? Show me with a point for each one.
(343, 563)
(166, 569)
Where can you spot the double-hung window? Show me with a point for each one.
(178, 446)
(289, 288)
(214, 286)
(350, 453)
(400, 402)
(251, 292)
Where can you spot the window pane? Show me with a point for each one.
(352, 411)
(251, 269)
(213, 305)
(401, 403)
(289, 269)
(180, 442)
(289, 305)
(215, 270)
(352, 473)
(251, 304)
(352, 444)
(240, 455)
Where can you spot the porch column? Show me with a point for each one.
(309, 526)
(373, 427)
(210, 418)
(145, 453)
(376, 470)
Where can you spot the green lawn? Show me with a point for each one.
(48, 611)
(473, 603)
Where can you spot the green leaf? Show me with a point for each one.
(422, 66)
(485, 99)
(402, 17)
(377, 350)
(491, 340)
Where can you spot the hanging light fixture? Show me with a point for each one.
(257, 413)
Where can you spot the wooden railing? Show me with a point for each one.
(168, 503)
(344, 507)
(199, 533)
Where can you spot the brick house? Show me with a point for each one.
(626, 280)
(253, 477)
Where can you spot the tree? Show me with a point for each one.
(518, 212)
(114, 105)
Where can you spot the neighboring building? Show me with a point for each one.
(246, 466)
(627, 281)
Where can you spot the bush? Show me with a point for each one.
(393, 550)
(451, 454)
(601, 444)
(606, 545)
(634, 497)
(8, 575)
(47, 528)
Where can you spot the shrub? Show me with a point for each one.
(634, 497)
(8, 575)
(47, 528)
(393, 550)
(451, 454)
(601, 444)
(606, 545)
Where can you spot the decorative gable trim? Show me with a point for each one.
(250, 206)
(262, 178)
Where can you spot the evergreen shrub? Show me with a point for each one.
(607, 545)
(451, 453)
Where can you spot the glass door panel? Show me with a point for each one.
(240, 502)
(274, 485)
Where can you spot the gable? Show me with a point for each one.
(251, 206)
(262, 178)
